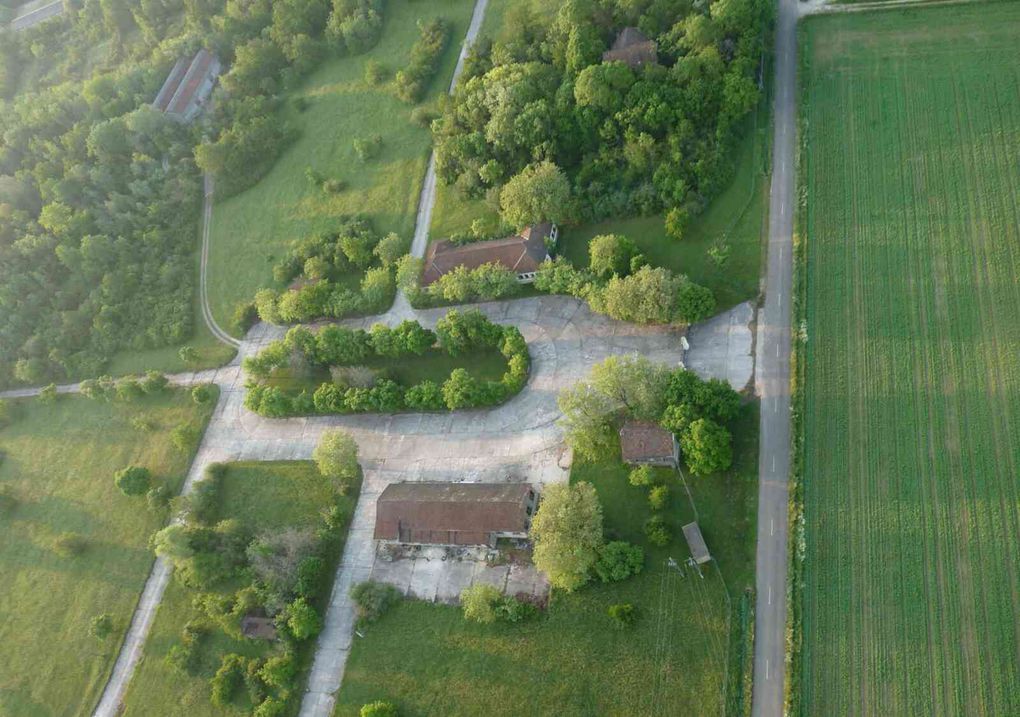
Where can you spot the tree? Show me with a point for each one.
(188, 355)
(302, 619)
(677, 219)
(374, 599)
(610, 254)
(379, 709)
(101, 626)
(618, 560)
(707, 447)
(694, 302)
(567, 531)
(540, 193)
(201, 394)
(390, 248)
(279, 671)
(588, 421)
(337, 457)
(460, 390)
(645, 297)
(633, 382)
(480, 601)
(133, 480)
(48, 394)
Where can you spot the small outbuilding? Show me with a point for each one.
(454, 513)
(258, 627)
(696, 543)
(633, 48)
(188, 86)
(521, 253)
(647, 443)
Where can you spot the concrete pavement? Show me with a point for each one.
(773, 383)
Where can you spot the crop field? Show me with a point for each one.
(912, 416)
(251, 231)
(56, 479)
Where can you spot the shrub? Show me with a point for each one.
(157, 498)
(657, 531)
(228, 679)
(676, 222)
(154, 382)
(201, 394)
(379, 709)
(480, 603)
(245, 316)
(184, 437)
(368, 147)
(642, 475)
(279, 671)
(129, 389)
(423, 116)
(336, 456)
(133, 480)
(374, 599)
(203, 501)
(270, 707)
(188, 354)
(513, 610)
(70, 545)
(375, 72)
(48, 394)
(101, 626)
(303, 620)
(460, 390)
(413, 80)
(623, 615)
(618, 561)
(658, 497)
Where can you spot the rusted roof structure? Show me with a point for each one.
(452, 513)
(633, 48)
(188, 85)
(695, 541)
(258, 627)
(646, 442)
(522, 253)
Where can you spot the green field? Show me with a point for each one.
(264, 497)
(251, 231)
(911, 602)
(572, 661)
(58, 462)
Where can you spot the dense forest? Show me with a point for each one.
(99, 194)
(633, 137)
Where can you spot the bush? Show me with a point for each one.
(413, 80)
(204, 499)
(642, 475)
(133, 480)
(658, 497)
(336, 456)
(48, 394)
(513, 610)
(70, 545)
(188, 354)
(374, 599)
(245, 316)
(154, 382)
(279, 671)
(657, 531)
(379, 709)
(618, 561)
(184, 437)
(303, 620)
(423, 116)
(228, 679)
(375, 72)
(271, 707)
(368, 147)
(334, 186)
(157, 498)
(101, 626)
(201, 394)
(480, 603)
(623, 615)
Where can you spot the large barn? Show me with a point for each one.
(454, 513)
(188, 86)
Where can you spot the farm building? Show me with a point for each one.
(647, 443)
(188, 86)
(454, 513)
(633, 48)
(522, 253)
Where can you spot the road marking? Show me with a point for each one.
(780, 299)
(775, 401)
(773, 463)
(780, 254)
(777, 350)
(772, 527)
(782, 209)
(770, 594)
(766, 668)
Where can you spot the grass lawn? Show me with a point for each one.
(263, 496)
(252, 230)
(572, 661)
(59, 461)
(911, 601)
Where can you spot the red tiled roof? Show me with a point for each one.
(645, 441)
(197, 74)
(521, 253)
(451, 513)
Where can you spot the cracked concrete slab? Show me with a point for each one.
(722, 347)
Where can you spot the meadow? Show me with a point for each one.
(266, 496)
(911, 479)
(57, 468)
(251, 231)
(683, 655)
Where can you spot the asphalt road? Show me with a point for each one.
(38, 15)
(773, 379)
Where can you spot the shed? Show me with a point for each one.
(695, 541)
(633, 48)
(454, 513)
(647, 443)
(258, 627)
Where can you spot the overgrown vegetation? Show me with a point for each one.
(259, 539)
(345, 369)
(72, 545)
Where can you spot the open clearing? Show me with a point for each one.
(571, 661)
(59, 462)
(912, 415)
(266, 496)
(251, 231)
